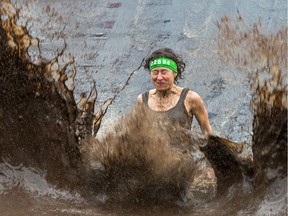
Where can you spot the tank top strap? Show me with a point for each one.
(145, 98)
(183, 95)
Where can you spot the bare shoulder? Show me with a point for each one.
(196, 107)
(193, 97)
(139, 99)
(194, 102)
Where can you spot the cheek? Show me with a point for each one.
(153, 78)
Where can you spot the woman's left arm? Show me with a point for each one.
(197, 108)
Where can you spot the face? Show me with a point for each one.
(162, 78)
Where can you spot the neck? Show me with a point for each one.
(166, 93)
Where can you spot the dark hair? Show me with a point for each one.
(167, 53)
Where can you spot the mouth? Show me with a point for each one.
(160, 83)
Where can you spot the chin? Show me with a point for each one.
(162, 87)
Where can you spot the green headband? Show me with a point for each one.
(163, 62)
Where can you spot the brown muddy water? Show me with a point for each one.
(71, 141)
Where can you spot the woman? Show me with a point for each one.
(179, 104)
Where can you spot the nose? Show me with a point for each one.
(159, 76)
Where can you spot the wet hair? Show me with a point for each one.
(166, 53)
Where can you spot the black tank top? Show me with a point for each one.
(177, 114)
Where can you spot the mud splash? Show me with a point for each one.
(43, 127)
(41, 124)
(264, 56)
(131, 158)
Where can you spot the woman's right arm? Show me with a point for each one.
(139, 100)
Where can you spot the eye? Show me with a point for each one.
(154, 72)
(164, 72)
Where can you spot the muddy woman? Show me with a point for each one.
(179, 104)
